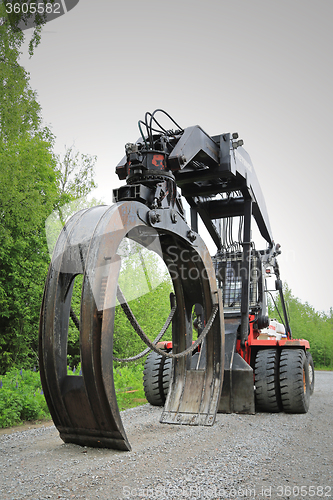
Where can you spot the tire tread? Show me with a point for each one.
(293, 397)
(156, 378)
(267, 381)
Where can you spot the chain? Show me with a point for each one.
(130, 316)
(151, 345)
(148, 349)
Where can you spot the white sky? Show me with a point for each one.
(262, 68)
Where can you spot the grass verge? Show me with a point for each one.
(22, 399)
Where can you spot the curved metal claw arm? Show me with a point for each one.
(84, 408)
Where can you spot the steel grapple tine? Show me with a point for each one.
(78, 404)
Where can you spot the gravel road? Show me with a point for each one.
(277, 456)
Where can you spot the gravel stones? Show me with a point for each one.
(241, 456)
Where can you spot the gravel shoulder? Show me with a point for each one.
(276, 456)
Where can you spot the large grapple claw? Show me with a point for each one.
(84, 408)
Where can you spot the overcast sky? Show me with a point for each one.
(262, 68)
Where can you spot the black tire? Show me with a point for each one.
(166, 377)
(294, 381)
(267, 381)
(156, 378)
(311, 372)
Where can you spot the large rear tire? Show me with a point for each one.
(156, 378)
(267, 381)
(294, 381)
(311, 371)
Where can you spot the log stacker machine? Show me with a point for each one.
(241, 361)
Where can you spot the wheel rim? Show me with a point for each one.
(310, 374)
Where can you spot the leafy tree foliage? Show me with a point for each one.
(75, 180)
(309, 324)
(33, 184)
(27, 189)
(19, 110)
(28, 192)
(73, 341)
(75, 174)
(24, 14)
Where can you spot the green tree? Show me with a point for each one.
(307, 323)
(18, 14)
(19, 110)
(146, 285)
(34, 183)
(75, 181)
(28, 192)
(75, 174)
